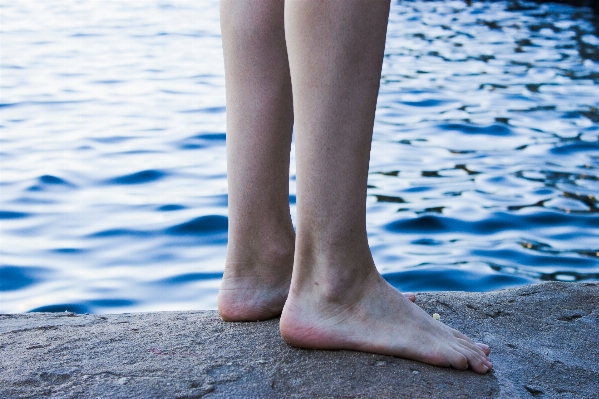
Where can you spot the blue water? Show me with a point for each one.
(484, 170)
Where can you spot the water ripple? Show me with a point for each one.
(16, 277)
(201, 225)
(492, 224)
(145, 176)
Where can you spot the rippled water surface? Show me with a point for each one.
(484, 168)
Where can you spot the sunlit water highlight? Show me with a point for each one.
(484, 169)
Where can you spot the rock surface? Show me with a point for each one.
(544, 340)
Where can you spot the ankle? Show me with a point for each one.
(320, 238)
(333, 279)
(259, 258)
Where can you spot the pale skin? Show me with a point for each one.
(315, 65)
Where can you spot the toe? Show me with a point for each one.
(470, 346)
(459, 361)
(479, 367)
(459, 335)
(484, 348)
(480, 364)
(475, 360)
(410, 295)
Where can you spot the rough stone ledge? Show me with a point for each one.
(544, 340)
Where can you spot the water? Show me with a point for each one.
(484, 169)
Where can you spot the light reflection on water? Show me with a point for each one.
(484, 168)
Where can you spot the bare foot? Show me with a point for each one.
(257, 277)
(256, 283)
(251, 298)
(372, 316)
(255, 292)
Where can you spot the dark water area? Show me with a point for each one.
(484, 169)
(592, 4)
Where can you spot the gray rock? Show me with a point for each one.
(544, 341)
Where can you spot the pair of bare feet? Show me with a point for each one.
(355, 310)
(314, 67)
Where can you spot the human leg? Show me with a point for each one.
(259, 127)
(338, 300)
